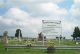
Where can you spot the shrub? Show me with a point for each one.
(50, 49)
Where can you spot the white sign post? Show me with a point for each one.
(51, 29)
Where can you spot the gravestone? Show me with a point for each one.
(5, 37)
(40, 37)
(18, 34)
(78, 40)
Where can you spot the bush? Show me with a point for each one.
(50, 49)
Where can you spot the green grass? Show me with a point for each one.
(34, 51)
(69, 43)
(56, 42)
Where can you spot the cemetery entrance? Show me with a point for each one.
(51, 29)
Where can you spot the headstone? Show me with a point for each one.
(18, 34)
(78, 39)
(77, 43)
(5, 37)
(40, 37)
(44, 38)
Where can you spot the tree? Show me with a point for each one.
(18, 33)
(76, 33)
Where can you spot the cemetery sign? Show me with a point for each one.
(51, 28)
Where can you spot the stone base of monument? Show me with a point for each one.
(19, 40)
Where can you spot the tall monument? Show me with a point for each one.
(18, 34)
(5, 37)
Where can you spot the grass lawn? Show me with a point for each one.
(56, 42)
(35, 51)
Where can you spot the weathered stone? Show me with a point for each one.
(5, 37)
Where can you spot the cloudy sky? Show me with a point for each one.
(27, 15)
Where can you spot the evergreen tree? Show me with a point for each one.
(76, 33)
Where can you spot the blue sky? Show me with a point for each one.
(6, 4)
(66, 4)
(27, 15)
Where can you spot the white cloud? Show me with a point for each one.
(29, 1)
(52, 9)
(46, 9)
(16, 18)
(28, 24)
(76, 6)
(40, 9)
(68, 28)
(16, 14)
(77, 1)
(1, 3)
(75, 11)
